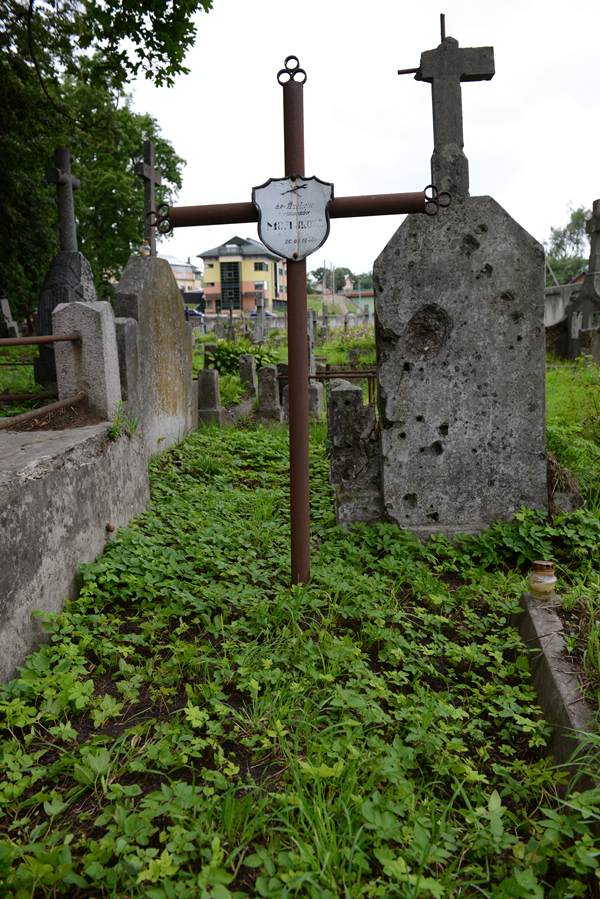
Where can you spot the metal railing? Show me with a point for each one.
(12, 420)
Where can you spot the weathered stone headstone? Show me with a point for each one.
(8, 326)
(247, 370)
(69, 278)
(151, 175)
(148, 293)
(92, 363)
(355, 467)
(269, 403)
(460, 344)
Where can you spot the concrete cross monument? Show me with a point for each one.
(445, 68)
(459, 308)
(151, 176)
(585, 308)
(294, 214)
(69, 278)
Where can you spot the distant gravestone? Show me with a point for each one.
(260, 329)
(147, 292)
(8, 326)
(247, 372)
(460, 343)
(586, 307)
(311, 328)
(69, 278)
(269, 403)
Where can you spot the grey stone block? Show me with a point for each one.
(461, 367)
(92, 363)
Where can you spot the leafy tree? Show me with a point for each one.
(63, 67)
(567, 248)
(323, 275)
(363, 281)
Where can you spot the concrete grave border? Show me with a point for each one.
(555, 679)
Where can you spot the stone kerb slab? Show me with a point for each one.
(461, 368)
(91, 364)
(148, 293)
(555, 680)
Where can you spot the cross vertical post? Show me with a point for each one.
(151, 176)
(293, 138)
(66, 183)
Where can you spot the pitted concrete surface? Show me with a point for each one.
(27, 454)
(461, 367)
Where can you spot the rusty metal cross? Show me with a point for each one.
(292, 79)
(151, 175)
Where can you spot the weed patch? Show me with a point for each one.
(196, 727)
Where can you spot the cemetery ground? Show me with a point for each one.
(197, 727)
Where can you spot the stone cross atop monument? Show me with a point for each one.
(66, 183)
(151, 175)
(591, 285)
(445, 68)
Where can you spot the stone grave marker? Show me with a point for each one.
(460, 342)
(69, 278)
(8, 326)
(147, 292)
(260, 322)
(247, 371)
(269, 403)
(587, 303)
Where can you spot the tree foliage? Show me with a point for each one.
(63, 67)
(568, 247)
(323, 276)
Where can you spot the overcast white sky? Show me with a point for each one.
(532, 133)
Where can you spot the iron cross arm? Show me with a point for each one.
(426, 201)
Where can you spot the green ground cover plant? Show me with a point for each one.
(195, 727)
(573, 413)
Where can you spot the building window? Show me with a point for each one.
(209, 283)
(210, 265)
(261, 267)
